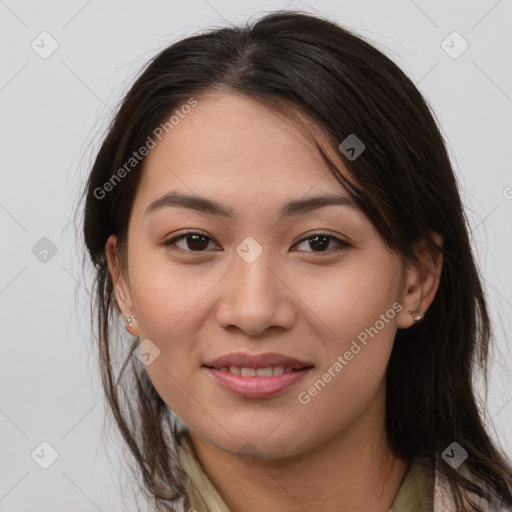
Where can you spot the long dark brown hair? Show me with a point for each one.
(403, 181)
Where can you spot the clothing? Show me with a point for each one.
(422, 490)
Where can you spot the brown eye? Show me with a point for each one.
(194, 242)
(198, 242)
(319, 242)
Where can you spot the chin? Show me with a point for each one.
(257, 442)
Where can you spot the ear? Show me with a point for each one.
(120, 281)
(421, 283)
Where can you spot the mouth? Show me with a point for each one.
(257, 376)
(267, 371)
(246, 363)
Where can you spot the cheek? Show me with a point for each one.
(175, 384)
(164, 295)
(353, 298)
(352, 378)
(360, 309)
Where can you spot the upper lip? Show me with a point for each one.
(245, 360)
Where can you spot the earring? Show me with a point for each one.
(129, 321)
(416, 314)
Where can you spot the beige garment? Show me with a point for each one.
(415, 493)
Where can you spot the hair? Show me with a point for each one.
(403, 181)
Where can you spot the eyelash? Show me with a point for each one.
(169, 243)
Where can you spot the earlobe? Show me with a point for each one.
(421, 283)
(121, 289)
(131, 327)
(412, 303)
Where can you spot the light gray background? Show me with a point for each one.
(53, 112)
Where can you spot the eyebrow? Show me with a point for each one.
(211, 207)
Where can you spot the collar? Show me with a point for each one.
(415, 493)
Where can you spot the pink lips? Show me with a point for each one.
(257, 387)
(244, 360)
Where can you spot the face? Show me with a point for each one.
(316, 284)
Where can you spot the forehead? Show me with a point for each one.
(232, 146)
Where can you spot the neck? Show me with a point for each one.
(355, 468)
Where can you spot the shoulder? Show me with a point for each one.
(444, 501)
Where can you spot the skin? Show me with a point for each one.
(306, 303)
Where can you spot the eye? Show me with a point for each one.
(196, 242)
(322, 241)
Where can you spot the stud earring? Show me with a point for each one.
(416, 314)
(129, 321)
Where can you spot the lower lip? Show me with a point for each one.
(257, 387)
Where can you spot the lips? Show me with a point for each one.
(267, 360)
(257, 376)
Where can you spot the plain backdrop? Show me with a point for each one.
(54, 109)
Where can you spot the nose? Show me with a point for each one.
(256, 297)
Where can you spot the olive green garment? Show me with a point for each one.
(415, 493)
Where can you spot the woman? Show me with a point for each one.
(274, 214)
